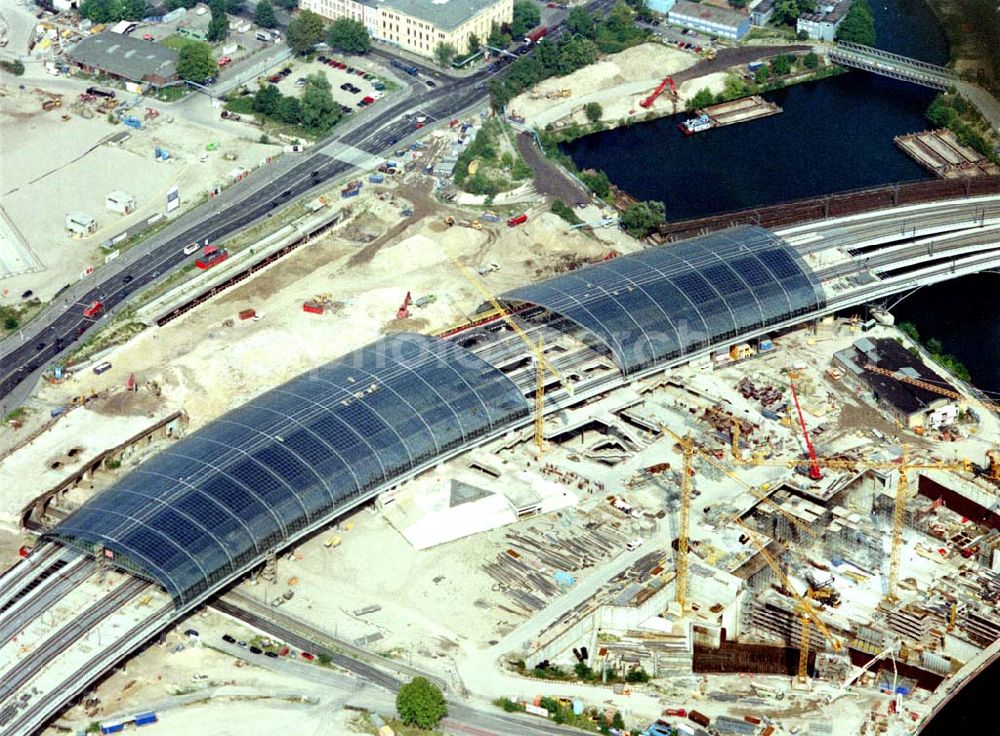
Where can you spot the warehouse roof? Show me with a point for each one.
(444, 14)
(889, 354)
(127, 57)
(662, 303)
(217, 501)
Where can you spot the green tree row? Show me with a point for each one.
(858, 25)
(954, 112)
(308, 29)
(112, 11)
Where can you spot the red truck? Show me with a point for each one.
(536, 35)
(93, 310)
(515, 221)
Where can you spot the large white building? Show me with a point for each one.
(822, 25)
(419, 26)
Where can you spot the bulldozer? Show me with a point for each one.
(449, 220)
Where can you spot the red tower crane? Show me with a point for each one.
(814, 472)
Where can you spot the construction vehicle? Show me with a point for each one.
(822, 591)
(710, 54)
(52, 103)
(814, 471)
(648, 102)
(404, 309)
(449, 220)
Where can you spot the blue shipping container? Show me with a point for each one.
(350, 193)
(376, 178)
(57, 411)
(112, 727)
(144, 719)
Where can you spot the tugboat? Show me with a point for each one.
(696, 125)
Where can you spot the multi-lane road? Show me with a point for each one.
(25, 355)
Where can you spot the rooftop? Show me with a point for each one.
(708, 13)
(889, 354)
(445, 14)
(834, 15)
(127, 57)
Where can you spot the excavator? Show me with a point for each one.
(648, 102)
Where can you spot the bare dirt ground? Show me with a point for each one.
(208, 367)
(61, 158)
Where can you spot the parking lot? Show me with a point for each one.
(350, 85)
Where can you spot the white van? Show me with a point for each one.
(262, 36)
(633, 545)
(189, 249)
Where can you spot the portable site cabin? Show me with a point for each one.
(80, 224)
(120, 202)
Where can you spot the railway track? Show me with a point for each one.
(33, 715)
(65, 637)
(834, 205)
(21, 615)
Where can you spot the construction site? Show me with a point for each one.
(397, 431)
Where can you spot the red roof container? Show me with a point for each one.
(515, 221)
(312, 308)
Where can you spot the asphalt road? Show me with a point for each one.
(25, 355)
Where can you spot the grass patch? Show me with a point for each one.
(178, 42)
(491, 164)
(14, 317)
(172, 94)
(18, 413)
(363, 724)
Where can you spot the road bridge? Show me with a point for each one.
(894, 66)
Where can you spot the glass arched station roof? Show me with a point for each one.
(222, 497)
(662, 303)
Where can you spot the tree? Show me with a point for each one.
(781, 65)
(858, 25)
(110, 11)
(597, 182)
(581, 21)
(195, 62)
(810, 60)
(576, 53)
(218, 27)
(264, 15)
(350, 36)
(235, 7)
(444, 53)
(420, 703)
(287, 4)
(526, 16)
(474, 44)
(498, 39)
(641, 218)
(702, 98)
(761, 75)
(304, 31)
(174, 4)
(288, 110)
(617, 721)
(786, 12)
(593, 111)
(319, 111)
(499, 94)
(266, 100)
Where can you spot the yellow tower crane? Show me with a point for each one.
(807, 612)
(541, 364)
(899, 506)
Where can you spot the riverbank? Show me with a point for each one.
(620, 82)
(973, 33)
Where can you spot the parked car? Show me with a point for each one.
(272, 655)
(309, 656)
(228, 638)
(256, 650)
(191, 632)
(430, 83)
(199, 677)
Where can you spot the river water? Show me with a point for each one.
(833, 135)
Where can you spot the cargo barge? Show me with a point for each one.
(729, 113)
